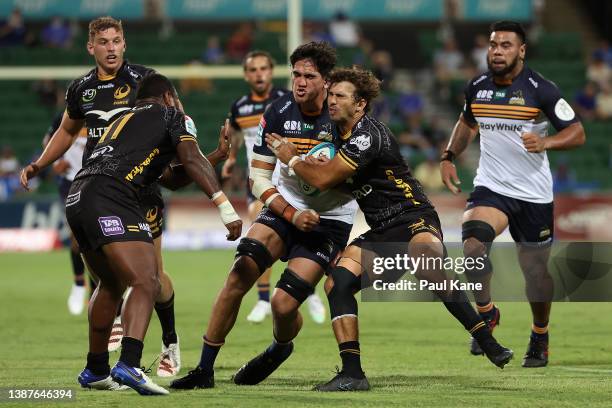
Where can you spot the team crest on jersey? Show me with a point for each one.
(517, 98)
(120, 95)
(363, 142)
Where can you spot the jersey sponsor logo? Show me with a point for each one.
(500, 94)
(307, 126)
(111, 225)
(479, 80)
(285, 106)
(105, 86)
(484, 94)
(292, 126)
(402, 185)
(533, 82)
(362, 192)
(101, 152)
(245, 109)
(501, 127)
(190, 126)
(139, 169)
(72, 199)
(563, 110)
(363, 142)
(134, 74)
(88, 95)
(122, 92)
(517, 98)
(106, 116)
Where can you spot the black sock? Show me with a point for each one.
(263, 289)
(97, 363)
(209, 355)
(78, 268)
(165, 312)
(351, 359)
(279, 350)
(461, 308)
(131, 351)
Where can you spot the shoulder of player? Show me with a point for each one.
(479, 80)
(368, 130)
(135, 71)
(278, 92)
(538, 82)
(240, 101)
(281, 104)
(84, 80)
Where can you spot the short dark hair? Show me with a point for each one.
(367, 86)
(154, 86)
(512, 26)
(257, 53)
(321, 53)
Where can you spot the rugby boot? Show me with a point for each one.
(260, 367)
(196, 378)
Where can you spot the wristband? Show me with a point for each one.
(35, 167)
(270, 199)
(296, 215)
(293, 161)
(290, 213)
(447, 156)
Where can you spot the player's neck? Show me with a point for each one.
(314, 107)
(258, 97)
(106, 75)
(346, 127)
(507, 79)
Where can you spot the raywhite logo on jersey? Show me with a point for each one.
(106, 116)
(563, 110)
(363, 142)
(510, 127)
(292, 125)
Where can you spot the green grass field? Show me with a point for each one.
(414, 354)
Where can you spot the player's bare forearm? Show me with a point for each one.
(237, 138)
(323, 176)
(215, 157)
(60, 142)
(197, 167)
(461, 136)
(569, 138)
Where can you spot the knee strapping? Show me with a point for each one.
(295, 286)
(256, 251)
(484, 234)
(341, 298)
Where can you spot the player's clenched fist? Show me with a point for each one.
(533, 143)
(306, 220)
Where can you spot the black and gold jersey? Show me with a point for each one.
(382, 184)
(99, 100)
(137, 146)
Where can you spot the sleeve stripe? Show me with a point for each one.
(186, 138)
(348, 161)
(263, 158)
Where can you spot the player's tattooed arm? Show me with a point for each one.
(568, 138)
(58, 145)
(462, 135)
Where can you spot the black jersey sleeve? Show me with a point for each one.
(267, 124)
(72, 101)
(360, 149)
(181, 127)
(556, 109)
(232, 115)
(468, 115)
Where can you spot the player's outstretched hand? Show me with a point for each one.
(307, 220)
(224, 140)
(533, 143)
(28, 172)
(448, 171)
(281, 147)
(235, 230)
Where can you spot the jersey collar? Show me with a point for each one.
(110, 77)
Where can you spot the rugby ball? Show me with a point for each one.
(324, 149)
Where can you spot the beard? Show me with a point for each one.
(505, 70)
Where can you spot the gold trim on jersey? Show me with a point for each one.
(102, 77)
(347, 160)
(346, 135)
(249, 121)
(188, 138)
(505, 111)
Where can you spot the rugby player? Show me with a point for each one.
(106, 215)
(306, 231)
(66, 168)
(508, 106)
(395, 207)
(245, 114)
(94, 101)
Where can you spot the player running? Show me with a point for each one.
(306, 231)
(108, 221)
(395, 207)
(94, 101)
(513, 184)
(245, 114)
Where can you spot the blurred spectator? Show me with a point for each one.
(603, 103)
(8, 162)
(313, 31)
(585, 101)
(195, 84)
(479, 52)
(382, 67)
(344, 32)
(603, 52)
(428, 173)
(13, 30)
(57, 34)
(599, 72)
(448, 60)
(50, 94)
(213, 54)
(240, 43)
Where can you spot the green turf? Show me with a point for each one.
(413, 353)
